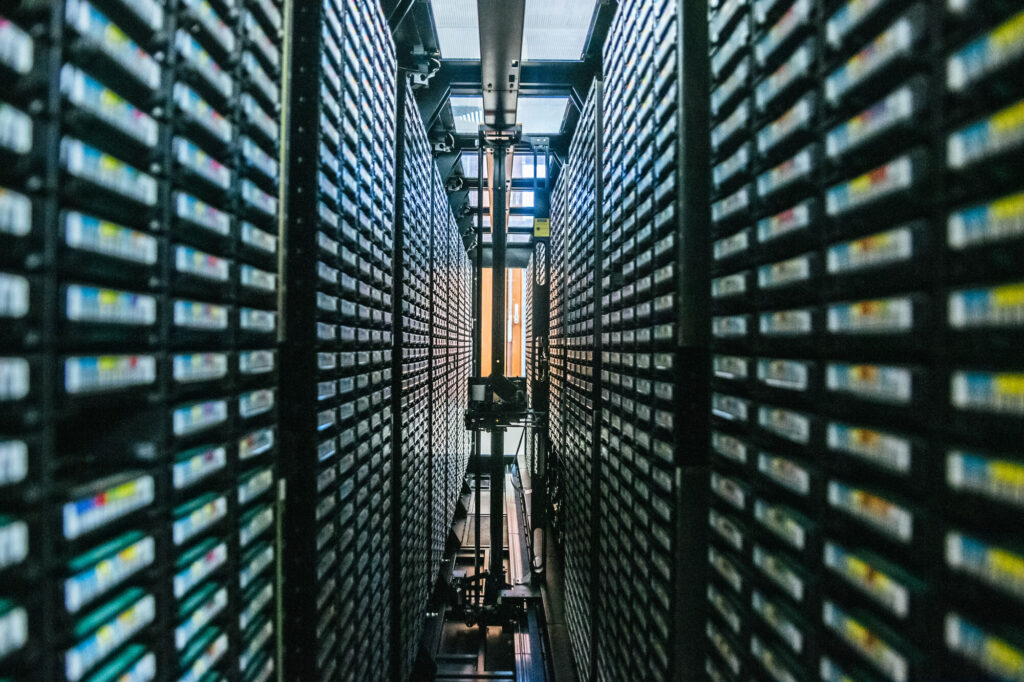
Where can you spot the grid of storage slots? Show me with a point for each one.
(573, 235)
(639, 382)
(340, 321)
(418, 176)
(451, 355)
(867, 223)
(556, 343)
(138, 218)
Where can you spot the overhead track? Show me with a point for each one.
(501, 51)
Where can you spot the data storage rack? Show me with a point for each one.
(337, 372)
(450, 352)
(537, 351)
(556, 334)
(577, 232)
(130, 492)
(866, 406)
(413, 348)
(653, 476)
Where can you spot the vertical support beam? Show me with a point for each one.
(397, 294)
(693, 343)
(497, 458)
(298, 353)
(478, 284)
(596, 363)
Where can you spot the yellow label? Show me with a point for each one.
(1005, 562)
(1010, 296)
(1007, 473)
(107, 363)
(1009, 384)
(108, 163)
(108, 297)
(1009, 119)
(861, 184)
(1010, 207)
(541, 227)
(1003, 656)
(1009, 33)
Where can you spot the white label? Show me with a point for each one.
(13, 462)
(14, 296)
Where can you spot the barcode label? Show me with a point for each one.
(786, 424)
(198, 520)
(998, 393)
(784, 273)
(14, 379)
(896, 41)
(873, 382)
(98, 373)
(204, 462)
(778, 520)
(988, 137)
(254, 278)
(111, 635)
(82, 17)
(89, 513)
(83, 587)
(878, 447)
(196, 417)
(778, 570)
(199, 569)
(187, 207)
(875, 511)
(14, 296)
(772, 614)
(884, 248)
(1000, 306)
(13, 462)
(786, 323)
(781, 224)
(258, 239)
(884, 181)
(986, 54)
(92, 165)
(881, 316)
(17, 51)
(15, 208)
(991, 653)
(254, 486)
(998, 479)
(256, 443)
(202, 113)
(199, 315)
(894, 109)
(996, 566)
(256, 361)
(200, 618)
(195, 262)
(199, 367)
(190, 156)
(251, 319)
(88, 233)
(90, 95)
(869, 579)
(796, 67)
(785, 472)
(255, 403)
(867, 643)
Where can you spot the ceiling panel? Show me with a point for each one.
(542, 115)
(458, 29)
(557, 29)
(468, 112)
